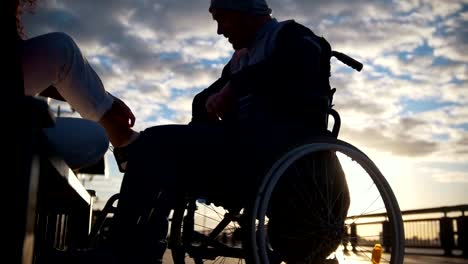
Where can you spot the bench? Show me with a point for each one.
(59, 206)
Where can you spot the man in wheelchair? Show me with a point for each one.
(272, 95)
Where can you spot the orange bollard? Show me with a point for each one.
(376, 254)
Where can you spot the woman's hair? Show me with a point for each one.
(18, 8)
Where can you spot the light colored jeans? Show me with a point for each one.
(80, 142)
(55, 59)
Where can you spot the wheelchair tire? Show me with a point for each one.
(287, 198)
(373, 210)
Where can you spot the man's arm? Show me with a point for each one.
(289, 74)
(199, 111)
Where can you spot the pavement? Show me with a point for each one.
(353, 259)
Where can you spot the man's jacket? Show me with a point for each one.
(287, 76)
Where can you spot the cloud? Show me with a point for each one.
(443, 176)
(461, 145)
(452, 38)
(156, 55)
(402, 144)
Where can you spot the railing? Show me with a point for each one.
(442, 228)
(59, 207)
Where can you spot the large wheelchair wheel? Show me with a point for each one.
(298, 213)
(324, 199)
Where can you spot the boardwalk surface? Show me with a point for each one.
(354, 259)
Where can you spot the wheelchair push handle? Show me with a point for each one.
(348, 60)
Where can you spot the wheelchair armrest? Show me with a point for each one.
(337, 122)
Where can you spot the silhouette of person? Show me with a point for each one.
(54, 66)
(268, 98)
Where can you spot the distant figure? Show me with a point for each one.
(53, 66)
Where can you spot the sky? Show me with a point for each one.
(407, 109)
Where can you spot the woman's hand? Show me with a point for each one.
(122, 113)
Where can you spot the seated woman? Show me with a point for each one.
(54, 66)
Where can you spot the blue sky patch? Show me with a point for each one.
(64, 19)
(382, 69)
(169, 56)
(457, 81)
(386, 72)
(439, 60)
(463, 126)
(207, 62)
(441, 137)
(151, 118)
(105, 61)
(166, 112)
(418, 106)
(176, 92)
(423, 50)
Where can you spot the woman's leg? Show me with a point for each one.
(55, 59)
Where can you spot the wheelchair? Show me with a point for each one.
(321, 200)
(202, 231)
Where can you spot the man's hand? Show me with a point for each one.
(222, 102)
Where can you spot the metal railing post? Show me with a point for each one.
(447, 240)
(462, 231)
(353, 238)
(386, 235)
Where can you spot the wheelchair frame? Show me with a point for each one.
(182, 233)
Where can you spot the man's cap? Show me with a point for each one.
(257, 7)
